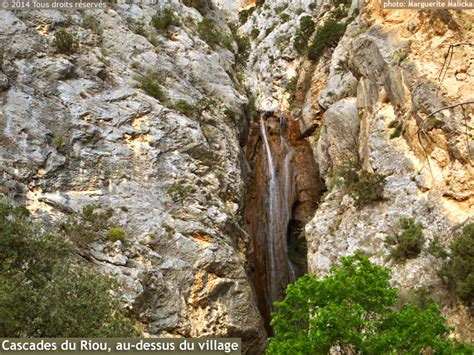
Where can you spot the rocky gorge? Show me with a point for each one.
(222, 160)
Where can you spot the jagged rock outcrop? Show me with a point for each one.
(75, 130)
(78, 129)
(427, 163)
(385, 72)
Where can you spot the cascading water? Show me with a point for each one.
(272, 211)
(277, 205)
(280, 198)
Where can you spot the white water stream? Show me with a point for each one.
(280, 194)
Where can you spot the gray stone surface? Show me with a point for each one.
(76, 130)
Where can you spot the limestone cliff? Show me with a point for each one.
(158, 124)
(76, 129)
(372, 99)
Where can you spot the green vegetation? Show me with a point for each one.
(137, 27)
(407, 244)
(400, 55)
(59, 140)
(353, 309)
(87, 226)
(43, 293)
(229, 113)
(279, 9)
(284, 17)
(245, 14)
(328, 35)
(398, 128)
(254, 33)
(305, 31)
(65, 42)
(201, 5)
(436, 249)
(291, 87)
(270, 29)
(186, 109)
(458, 270)
(151, 83)
(90, 22)
(363, 186)
(243, 48)
(210, 33)
(161, 21)
(116, 233)
(179, 191)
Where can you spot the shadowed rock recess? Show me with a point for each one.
(225, 171)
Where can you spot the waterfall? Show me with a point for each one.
(280, 197)
(273, 208)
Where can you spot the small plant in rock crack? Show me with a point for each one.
(408, 243)
(254, 33)
(397, 125)
(88, 225)
(186, 108)
(65, 42)
(59, 140)
(400, 55)
(291, 87)
(231, 114)
(161, 21)
(327, 36)
(179, 191)
(136, 26)
(365, 187)
(90, 22)
(210, 33)
(151, 83)
(201, 5)
(116, 233)
(305, 31)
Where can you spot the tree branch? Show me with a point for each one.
(449, 107)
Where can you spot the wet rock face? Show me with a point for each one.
(278, 204)
(76, 130)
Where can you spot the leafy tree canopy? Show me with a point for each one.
(43, 293)
(352, 310)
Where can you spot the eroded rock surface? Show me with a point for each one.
(76, 129)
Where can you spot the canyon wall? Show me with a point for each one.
(368, 100)
(192, 184)
(76, 129)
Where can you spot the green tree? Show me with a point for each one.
(43, 293)
(353, 309)
(458, 270)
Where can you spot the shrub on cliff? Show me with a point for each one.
(65, 42)
(458, 270)
(353, 309)
(327, 36)
(90, 22)
(43, 293)
(87, 226)
(163, 20)
(303, 34)
(365, 187)
(409, 242)
(201, 5)
(151, 83)
(210, 33)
